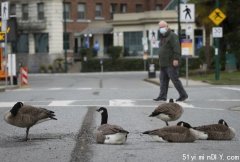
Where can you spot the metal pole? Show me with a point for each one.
(6, 59)
(217, 68)
(179, 23)
(186, 70)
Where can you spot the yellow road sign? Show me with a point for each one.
(217, 16)
(2, 36)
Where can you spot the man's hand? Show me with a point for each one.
(175, 63)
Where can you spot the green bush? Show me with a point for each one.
(58, 65)
(122, 64)
(114, 52)
(86, 52)
(132, 64)
(43, 69)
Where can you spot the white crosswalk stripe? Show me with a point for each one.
(103, 102)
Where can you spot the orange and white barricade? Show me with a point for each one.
(24, 76)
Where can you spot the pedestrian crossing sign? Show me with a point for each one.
(217, 16)
(2, 36)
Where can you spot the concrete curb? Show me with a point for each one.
(3, 88)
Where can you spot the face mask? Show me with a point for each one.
(163, 30)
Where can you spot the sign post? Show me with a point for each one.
(217, 16)
(187, 14)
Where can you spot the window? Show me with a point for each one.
(66, 41)
(41, 42)
(123, 8)
(113, 9)
(66, 11)
(158, 7)
(24, 11)
(40, 8)
(98, 10)
(198, 37)
(133, 43)
(12, 9)
(22, 43)
(81, 11)
(139, 8)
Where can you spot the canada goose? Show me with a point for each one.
(168, 111)
(220, 131)
(196, 133)
(25, 116)
(172, 134)
(109, 134)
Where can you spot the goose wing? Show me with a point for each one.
(217, 132)
(167, 130)
(173, 134)
(167, 108)
(111, 129)
(36, 113)
(212, 128)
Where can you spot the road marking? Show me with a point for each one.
(61, 103)
(7, 104)
(225, 100)
(58, 89)
(120, 102)
(231, 88)
(183, 104)
(84, 88)
(55, 89)
(102, 102)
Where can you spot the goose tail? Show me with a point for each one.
(146, 132)
(51, 115)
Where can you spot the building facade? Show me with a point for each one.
(90, 21)
(39, 32)
(51, 29)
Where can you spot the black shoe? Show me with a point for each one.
(159, 99)
(182, 98)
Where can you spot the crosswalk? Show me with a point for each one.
(148, 103)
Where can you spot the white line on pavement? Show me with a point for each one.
(61, 103)
(225, 100)
(108, 103)
(231, 88)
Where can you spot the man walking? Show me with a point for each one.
(169, 59)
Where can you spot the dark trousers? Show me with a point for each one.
(167, 73)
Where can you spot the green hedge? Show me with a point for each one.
(122, 64)
(130, 64)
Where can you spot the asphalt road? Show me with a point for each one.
(75, 97)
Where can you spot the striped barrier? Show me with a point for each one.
(24, 76)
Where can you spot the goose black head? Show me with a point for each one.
(223, 122)
(16, 108)
(184, 124)
(171, 100)
(104, 114)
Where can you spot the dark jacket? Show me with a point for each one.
(169, 49)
